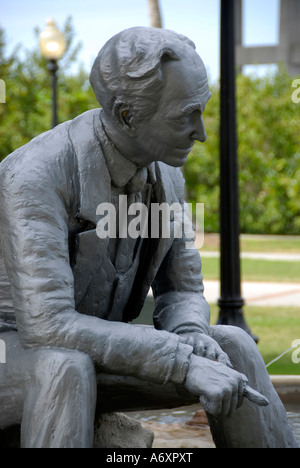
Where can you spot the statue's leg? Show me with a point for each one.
(56, 395)
(250, 426)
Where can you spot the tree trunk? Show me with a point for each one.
(155, 14)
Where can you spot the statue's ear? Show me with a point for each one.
(123, 115)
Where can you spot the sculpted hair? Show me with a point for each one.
(129, 67)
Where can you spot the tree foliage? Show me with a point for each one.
(27, 111)
(268, 132)
(268, 153)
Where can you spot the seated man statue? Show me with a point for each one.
(67, 293)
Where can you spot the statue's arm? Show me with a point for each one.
(34, 234)
(178, 288)
(180, 305)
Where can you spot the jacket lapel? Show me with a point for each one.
(95, 188)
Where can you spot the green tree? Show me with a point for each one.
(269, 157)
(27, 111)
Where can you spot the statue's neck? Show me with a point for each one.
(124, 143)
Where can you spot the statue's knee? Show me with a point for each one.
(240, 337)
(61, 363)
(234, 340)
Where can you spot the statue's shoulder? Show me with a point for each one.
(84, 122)
(50, 150)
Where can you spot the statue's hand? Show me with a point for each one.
(207, 347)
(220, 389)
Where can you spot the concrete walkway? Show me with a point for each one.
(257, 294)
(259, 256)
(260, 294)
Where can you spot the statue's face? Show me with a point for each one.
(169, 134)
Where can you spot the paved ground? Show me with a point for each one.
(259, 256)
(260, 293)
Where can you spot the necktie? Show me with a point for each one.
(138, 181)
(126, 247)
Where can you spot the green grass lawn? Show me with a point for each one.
(270, 244)
(276, 328)
(275, 244)
(256, 270)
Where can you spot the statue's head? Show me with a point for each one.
(152, 84)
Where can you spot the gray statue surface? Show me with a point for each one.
(68, 295)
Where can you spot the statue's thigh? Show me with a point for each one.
(29, 374)
(15, 374)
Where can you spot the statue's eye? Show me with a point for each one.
(184, 118)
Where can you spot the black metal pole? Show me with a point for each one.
(52, 68)
(231, 302)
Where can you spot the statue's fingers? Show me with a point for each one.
(222, 358)
(212, 407)
(234, 403)
(227, 404)
(200, 349)
(210, 353)
(241, 392)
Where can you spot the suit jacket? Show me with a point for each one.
(53, 266)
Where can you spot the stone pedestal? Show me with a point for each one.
(116, 430)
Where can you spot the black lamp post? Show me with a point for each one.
(231, 302)
(52, 45)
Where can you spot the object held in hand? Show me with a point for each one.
(255, 397)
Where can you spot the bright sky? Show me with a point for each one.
(95, 21)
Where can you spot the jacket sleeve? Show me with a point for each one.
(35, 203)
(178, 288)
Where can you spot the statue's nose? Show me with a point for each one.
(199, 132)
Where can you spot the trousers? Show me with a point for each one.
(55, 395)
